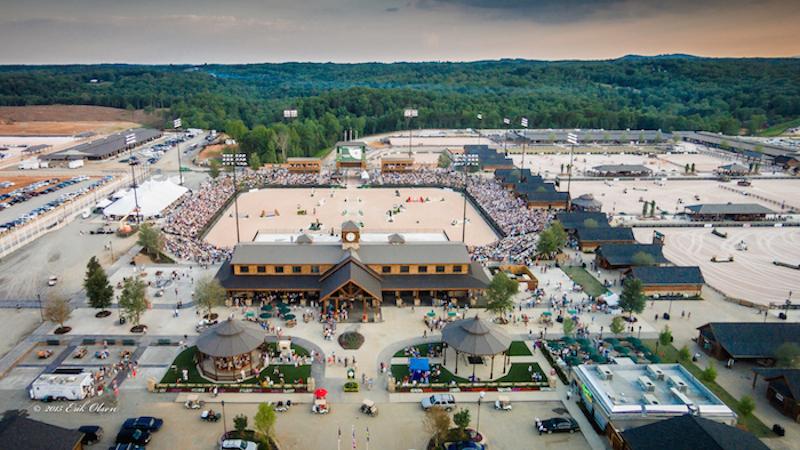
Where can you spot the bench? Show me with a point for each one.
(128, 342)
(111, 341)
(89, 341)
(53, 342)
(164, 342)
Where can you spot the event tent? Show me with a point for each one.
(153, 197)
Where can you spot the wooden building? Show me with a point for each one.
(572, 220)
(685, 432)
(591, 238)
(733, 170)
(670, 281)
(304, 165)
(352, 271)
(746, 340)
(716, 212)
(397, 164)
(623, 256)
(21, 432)
(783, 390)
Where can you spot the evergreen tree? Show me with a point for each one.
(632, 299)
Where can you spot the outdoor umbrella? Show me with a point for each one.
(583, 341)
(431, 314)
(642, 348)
(567, 340)
(284, 310)
(612, 341)
(320, 393)
(555, 345)
(265, 315)
(588, 349)
(280, 304)
(573, 361)
(652, 357)
(289, 316)
(547, 313)
(452, 313)
(621, 349)
(267, 307)
(633, 340)
(572, 311)
(597, 358)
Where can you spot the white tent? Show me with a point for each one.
(610, 298)
(153, 197)
(103, 203)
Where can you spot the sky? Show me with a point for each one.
(352, 31)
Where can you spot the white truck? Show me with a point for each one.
(75, 163)
(62, 386)
(28, 164)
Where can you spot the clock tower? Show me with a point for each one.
(350, 235)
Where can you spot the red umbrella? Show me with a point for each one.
(320, 393)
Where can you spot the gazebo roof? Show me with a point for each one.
(476, 337)
(587, 201)
(230, 338)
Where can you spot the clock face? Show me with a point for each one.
(350, 237)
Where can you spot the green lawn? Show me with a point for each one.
(518, 348)
(273, 347)
(590, 284)
(519, 372)
(516, 372)
(778, 129)
(669, 354)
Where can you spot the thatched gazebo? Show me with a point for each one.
(229, 346)
(477, 338)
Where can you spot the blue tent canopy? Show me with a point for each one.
(418, 364)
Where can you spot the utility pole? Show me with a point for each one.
(177, 124)
(506, 122)
(572, 139)
(130, 140)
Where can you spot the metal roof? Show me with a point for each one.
(230, 338)
(729, 208)
(17, 431)
(102, 148)
(753, 339)
(600, 234)
(350, 272)
(570, 220)
(668, 275)
(474, 336)
(622, 254)
(690, 432)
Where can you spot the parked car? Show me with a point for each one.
(52, 281)
(143, 423)
(238, 444)
(468, 445)
(446, 401)
(91, 434)
(133, 436)
(127, 447)
(559, 425)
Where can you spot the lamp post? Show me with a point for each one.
(480, 398)
(177, 124)
(224, 424)
(506, 123)
(41, 314)
(410, 114)
(480, 118)
(640, 332)
(572, 139)
(235, 160)
(130, 140)
(466, 181)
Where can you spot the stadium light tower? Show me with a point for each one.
(130, 140)
(524, 123)
(480, 119)
(235, 160)
(506, 122)
(410, 114)
(572, 138)
(177, 123)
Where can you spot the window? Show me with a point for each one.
(244, 269)
(261, 269)
(458, 269)
(278, 269)
(439, 269)
(314, 269)
(386, 269)
(422, 269)
(404, 269)
(297, 269)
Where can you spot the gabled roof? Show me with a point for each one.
(350, 272)
(575, 219)
(546, 196)
(533, 187)
(622, 254)
(350, 226)
(668, 275)
(304, 239)
(752, 339)
(606, 234)
(729, 208)
(785, 381)
(734, 168)
(395, 238)
(690, 432)
(21, 432)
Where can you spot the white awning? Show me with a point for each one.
(153, 197)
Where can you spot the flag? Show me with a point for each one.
(354, 437)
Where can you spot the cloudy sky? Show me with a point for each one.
(252, 31)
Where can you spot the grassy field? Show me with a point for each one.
(780, 128)
(518, 348)
(590, 284)
(753, 424)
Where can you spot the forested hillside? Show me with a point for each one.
(248, 100)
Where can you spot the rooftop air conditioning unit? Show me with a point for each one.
(605, 372)
(655, 372)
(646, 384)
(678, 383)
(650, 399)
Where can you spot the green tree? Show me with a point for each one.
(786, 355)
(208, 293)
(98, 290)
(759, 147)
(643, 259)
(590, 223)
(632, 299)
(659, 137)
(264, 421)
(617, 325)
(91, 267)
(684, 354)
(551, 240)
(641, 137)
(756, 123)
(133, 300)
(644, 209)
(462, 419)
(151, 240)
(725, 145)
(652, 208)
(444, 161)
(437, 423)
(499, 292)
(587, 138)
(562, 168)
(664, 338)
(551, 138)
(57, 310)
(606, 137)
(746, 406)
(624, 138)
(255, 161)
(568, 327)
(213, 168)
(709, 375)
(240, 424)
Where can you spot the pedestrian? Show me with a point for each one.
(569, 394)
(425, 333)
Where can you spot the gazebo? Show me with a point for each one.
(476, 338)
(230, 346)
(587, 203)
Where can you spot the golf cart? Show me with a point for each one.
(502, 403)
(193, 402)
(369, 407)
(320, 406)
